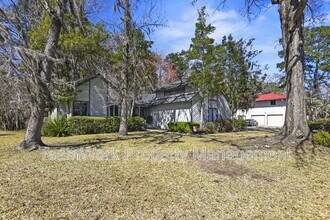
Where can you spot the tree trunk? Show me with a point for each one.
(202, 115)
(40, 82)
(32, 139)
(132, 109)
(295, 128)
(123, 117)
(127, 68)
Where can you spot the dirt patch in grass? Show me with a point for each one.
(231, 169)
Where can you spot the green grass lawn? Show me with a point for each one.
(160, 179)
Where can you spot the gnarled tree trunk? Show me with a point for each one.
(32, 138)
(40, 81)
(295, 128)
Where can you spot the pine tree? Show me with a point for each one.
(203, 64)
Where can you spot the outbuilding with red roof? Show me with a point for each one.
(268, 110)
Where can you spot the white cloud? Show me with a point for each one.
(265, 29)
(261, 18)
(178, 33)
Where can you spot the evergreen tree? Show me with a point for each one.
(241, 74)
(202, 63)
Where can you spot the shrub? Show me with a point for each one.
(239, 124)
(57, 127)
(224, 125)
(229, 125)
(93, 125)
(182, 127)
(319, 125)
(210, 128)
(135, 123)
(321, 138)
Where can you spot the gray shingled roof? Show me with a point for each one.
(186, 97)
(173, 85)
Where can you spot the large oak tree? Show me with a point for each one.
(33, 65)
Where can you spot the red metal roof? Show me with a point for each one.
(269, 97)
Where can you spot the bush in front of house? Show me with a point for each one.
(182, 127)
(210, 128)
(224, 125)
(321, 138)
(239, 124)
(319, 125)
(57, 127)
(135, 123)
(93, 125)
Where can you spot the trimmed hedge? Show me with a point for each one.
(97, 125)
(135, 123)
(319, 125)
(93, 125)
(225, 125)
(182, 127)
(321, 138)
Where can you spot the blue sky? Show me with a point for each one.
(181, 18)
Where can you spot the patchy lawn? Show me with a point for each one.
(161, 176)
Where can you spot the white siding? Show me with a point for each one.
(223, 107)
(196, 111)
(83, 92)
(98, 97)
(183, 115)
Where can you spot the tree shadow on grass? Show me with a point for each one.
(163, 138)
(3, 135)
(147, 137)
(264, 129)
(235, 143)
(96, 143)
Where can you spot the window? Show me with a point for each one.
(213, 114)
(144, 112)
(80, 108)
(114, 110)
(141, 112)
(213, 110)
(273, 102)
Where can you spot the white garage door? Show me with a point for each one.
(260, 119)
(275, 120)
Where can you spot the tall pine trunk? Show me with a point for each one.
(40, 80)
(295, 128)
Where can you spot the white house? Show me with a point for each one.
(180, 102)
(268, 110)
(170, 103)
